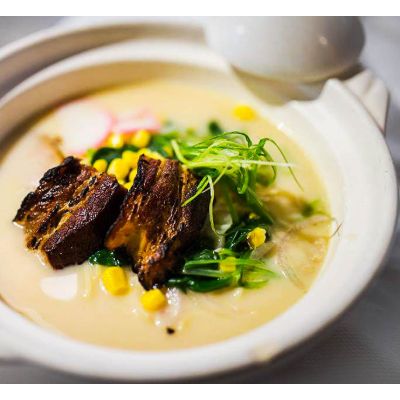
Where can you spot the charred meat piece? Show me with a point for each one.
(67, 217)
(153, 226)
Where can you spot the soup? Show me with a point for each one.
(285, 252)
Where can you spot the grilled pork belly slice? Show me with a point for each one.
(153, 226)
(67, 217)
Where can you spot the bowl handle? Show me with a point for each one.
(372, 93)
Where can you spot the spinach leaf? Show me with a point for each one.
(214, 128)
(311, 208)
(199, 284)
(162, 143)
(109, 258)
(202, 271)
(106, 153)
(236, 235)
(110, 153)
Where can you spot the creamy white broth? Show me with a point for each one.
(74, 302)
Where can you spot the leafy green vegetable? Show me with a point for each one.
(214, 128)
(205, 254)
(202, 285)
(202, 272)
(109, 258)
(162, 143)
(109, 153)
(311, 208)
(237, 234)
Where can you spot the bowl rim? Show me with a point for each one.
(30, 340)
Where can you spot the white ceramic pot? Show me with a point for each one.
(341, 131)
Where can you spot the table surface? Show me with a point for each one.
(365, 345)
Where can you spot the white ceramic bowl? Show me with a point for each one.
(340, 132)
(288, 48)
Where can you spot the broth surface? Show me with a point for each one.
(73, 302)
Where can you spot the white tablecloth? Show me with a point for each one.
(365, 345)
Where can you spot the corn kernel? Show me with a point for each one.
(119, 168)
(115, 281)
(100, 165)
(130, 157)
(256, 237)
(153, 300)
(244, 112)
(141, 138)
(116, 141)
(228, 265)
(128, 185)
(132, 175)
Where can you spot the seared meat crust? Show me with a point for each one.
(66, 218)
(153, 226)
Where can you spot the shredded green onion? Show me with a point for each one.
(234, 157)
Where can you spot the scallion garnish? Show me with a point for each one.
(234, 158)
